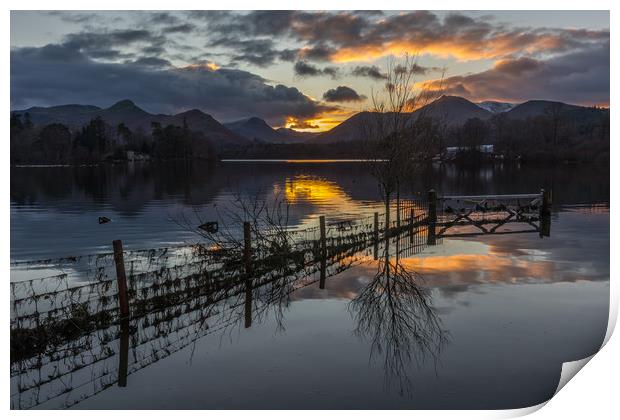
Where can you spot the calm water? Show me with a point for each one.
(510, 309)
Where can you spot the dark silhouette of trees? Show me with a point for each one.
(393, 139)
(55, 142)
(94, 138)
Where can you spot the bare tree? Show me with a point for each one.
(395, 314)
(395, 132)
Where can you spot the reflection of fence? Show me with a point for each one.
(196, 305)
(488, 213)
(71, 340)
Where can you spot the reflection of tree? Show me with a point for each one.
(396, 315)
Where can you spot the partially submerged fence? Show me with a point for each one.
(147, 304)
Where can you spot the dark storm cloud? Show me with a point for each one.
(58, 73)
(105, 45)
(255, 23)
(317, 53)
(305, 69)
(569, 78)
(372, 72)
(258, 51)
(342, 94)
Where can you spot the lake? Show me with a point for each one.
(474, 322)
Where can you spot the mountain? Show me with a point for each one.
(256, 129)
(354, 128)
(453, 110)
(295, 135)
(197, 120)
(134, 117)
(537, 108)
(496, 107)
(72, 115)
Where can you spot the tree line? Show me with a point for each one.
(557, 135)
(99, 141)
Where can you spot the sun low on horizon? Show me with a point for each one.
(303, 70)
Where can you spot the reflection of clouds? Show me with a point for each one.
(578, 250)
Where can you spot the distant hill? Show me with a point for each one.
(354, 128)
(537, 108)
(496, 107)
(258, 130)
(295, 135)
(71, 115)
(134, 117)
(451, 110)
(197, 120)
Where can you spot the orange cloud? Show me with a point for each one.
(318, 123)
(460, 48)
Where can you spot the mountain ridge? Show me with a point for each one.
(450, 110)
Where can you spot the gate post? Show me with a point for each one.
(545, 214)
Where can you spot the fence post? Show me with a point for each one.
(545, 213)
(247, 259)
(323, 238)
(376, 236)
(248, 304)
(247, 247)
(546, 201)
(398, 209)
(432, 216)
(123, 353)
(121, 280)
(411, 223)
(323, 261)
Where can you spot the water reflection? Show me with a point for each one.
(400, 307)
(394, 313)
(48, 203)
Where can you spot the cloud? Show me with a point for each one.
(107, 45)
(162, 18)
(151, 62)
(184, 28)
(296, 124)
(305, 69)
(73, 17)
(343, 94)
(40, 76)
(415, 68)
(568, 78)
(350, 36)
(372, 72)
(259, 51)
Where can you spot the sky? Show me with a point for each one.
(307, 70)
